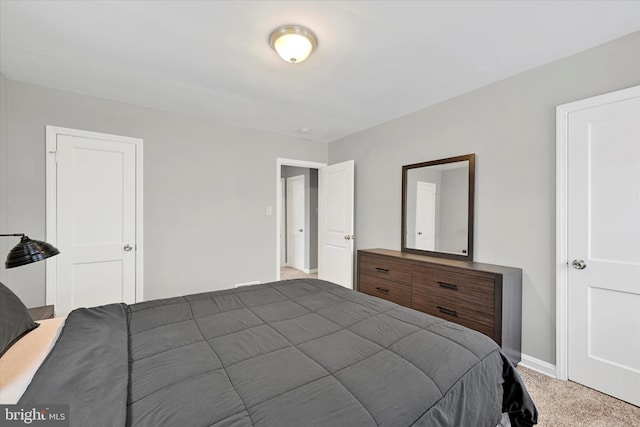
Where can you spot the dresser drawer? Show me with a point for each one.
(472, 289)
(394, 292)
(458, 311)
(385, 268)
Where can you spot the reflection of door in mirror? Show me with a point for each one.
(437, 207)
(425, 216)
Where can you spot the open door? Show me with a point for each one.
(335, 223)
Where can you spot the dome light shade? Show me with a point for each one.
(293, 42)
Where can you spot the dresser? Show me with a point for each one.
(484, 297)
(41, 313)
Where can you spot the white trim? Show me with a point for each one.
(538, 365)
(310, 270)
(279, 163)
(51, 135)
(561, 242)
(562, 261)
(50, 212)
(242, 285)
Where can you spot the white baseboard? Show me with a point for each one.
(310, 271)
(255, 282)
(538, 365)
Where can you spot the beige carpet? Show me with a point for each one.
(287, 273)
(565, 403)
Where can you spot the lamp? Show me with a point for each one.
(293, 42)
(28, 251)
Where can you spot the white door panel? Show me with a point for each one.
(425, 216)
(295, 221)
(603, 231)
(95, 223)
(106, 276)
(336, 230)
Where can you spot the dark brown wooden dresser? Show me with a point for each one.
(484, 297)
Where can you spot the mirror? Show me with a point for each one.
(437, 207)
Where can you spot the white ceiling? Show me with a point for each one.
(376, 60)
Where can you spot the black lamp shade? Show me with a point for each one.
(28, 251)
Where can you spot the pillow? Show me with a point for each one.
(15, 320)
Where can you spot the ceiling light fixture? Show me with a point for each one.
(293, 42)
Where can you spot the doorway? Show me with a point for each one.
(598, 253)
(283, 271)
(299, 218)
(335, 219)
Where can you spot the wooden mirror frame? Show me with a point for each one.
(471, 190)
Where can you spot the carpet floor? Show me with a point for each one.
(287, 273)
(565, 403)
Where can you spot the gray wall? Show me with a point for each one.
(206, 186)
(510, 125)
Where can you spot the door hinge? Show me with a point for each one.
(55, 155)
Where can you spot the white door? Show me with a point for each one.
(603, 245)
(95, 222)
(295, 221)
(335, 223)
(426, 216)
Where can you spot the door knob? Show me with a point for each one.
(300, 230)
(579, 264)
(127, 247)
(348, 237)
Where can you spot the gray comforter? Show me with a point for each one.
(289, 353)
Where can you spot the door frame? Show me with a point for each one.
(51, 196)
(279, 163)
(283, 226)
(562, 260)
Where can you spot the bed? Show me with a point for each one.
(301, 352)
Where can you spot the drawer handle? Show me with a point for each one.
(448, 311)
(382, 270)
(448, 286)
(383, 290)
